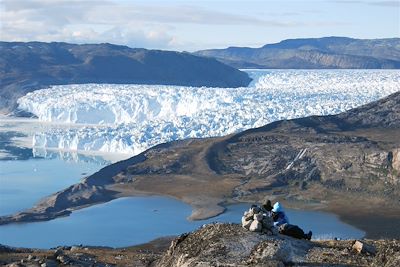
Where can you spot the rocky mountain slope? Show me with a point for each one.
(347, 163)
(314, 53)
(28, 66)
(215, 245)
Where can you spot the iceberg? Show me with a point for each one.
(131, 118)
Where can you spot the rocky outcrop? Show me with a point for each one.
(314, 53)
(29, 66)
(85, 256)
(231, 245)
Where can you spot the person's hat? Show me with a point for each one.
(277, 207)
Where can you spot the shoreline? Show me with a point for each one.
(227, 208)
(204, 207)
(335, 209)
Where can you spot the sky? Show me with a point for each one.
(195, 25)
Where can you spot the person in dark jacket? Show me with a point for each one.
(267, 208)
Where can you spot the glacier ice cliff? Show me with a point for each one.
(131, 118)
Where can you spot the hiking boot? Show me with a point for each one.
(308, 236)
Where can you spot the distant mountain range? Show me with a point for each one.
(25, 67)
(314, 53)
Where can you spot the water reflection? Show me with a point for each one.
(25, 182)
(69, 156)
(9, 150)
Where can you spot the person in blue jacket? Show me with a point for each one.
(278, 215)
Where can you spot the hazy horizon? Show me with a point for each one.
(195, 25)
(166, 49)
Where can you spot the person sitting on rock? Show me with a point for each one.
(278, 215)
(267, 208)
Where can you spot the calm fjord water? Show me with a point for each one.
(122, 222)
(130, 221)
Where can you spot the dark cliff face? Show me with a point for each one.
(318, 53)
(28, 66)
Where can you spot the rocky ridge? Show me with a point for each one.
(314, 53)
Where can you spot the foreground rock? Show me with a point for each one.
(346, 163)
(214, 245)
(231, 245)
(362, 247)
(34, 65)
(138, 256)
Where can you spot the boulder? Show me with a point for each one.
(267, 222)
(58, 252)
(74, 248)
(255, 226)
(246, 223)
(362, 247)
(249, 215)
(258, 217)
(230, 245)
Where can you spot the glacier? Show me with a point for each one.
(131, 118)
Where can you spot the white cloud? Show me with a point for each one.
(179, 24)
(84, 21)
(77, 21)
